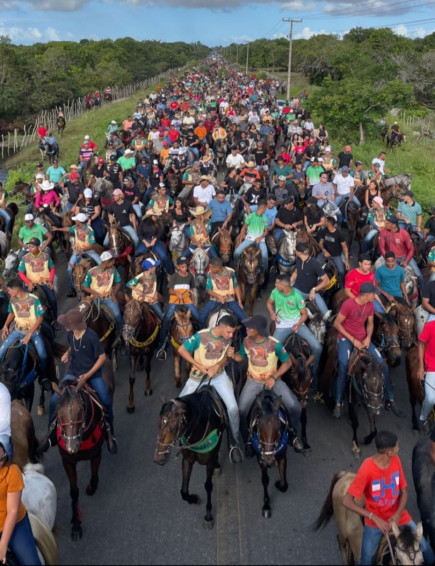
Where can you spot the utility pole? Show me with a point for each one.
(247, 59)
(237, 56)
(290, 52)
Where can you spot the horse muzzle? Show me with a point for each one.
(161, 458)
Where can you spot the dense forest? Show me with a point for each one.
(44, 75)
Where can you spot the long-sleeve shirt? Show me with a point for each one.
(46, 197)
(398, 242)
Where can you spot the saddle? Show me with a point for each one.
(87, 308)
(23, 380)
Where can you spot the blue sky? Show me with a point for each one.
(212, 22)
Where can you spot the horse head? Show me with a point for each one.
(11, 263)
(19, 187)
(116, 239)
(200, 262)
(370, 380)
(405, 320)
(177, 241)
(225, 244)
(80, 271)
(172, 423)
(250, 263)
(407, 548)
(387, 331)
(266, 426)
(300, 372)
(132, 317)
(71, 417)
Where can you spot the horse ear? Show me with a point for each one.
(278, 402)
(396, 530)
(419, 531)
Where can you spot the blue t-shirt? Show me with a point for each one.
(84, 353)
(270, 215)
(389, 279)
(220, 210)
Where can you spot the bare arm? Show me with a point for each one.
(13, 501)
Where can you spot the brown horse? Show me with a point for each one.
(80, 271)
(122, 249)
(81, 430)
(224, 243)
(249, 272)
(415, 386)
(386, 338)
(23, 435)
(102, 321)
(405, 319)
(141, 332)
(181, 330)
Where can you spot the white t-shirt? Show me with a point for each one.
(204, 195)
(382, 162)
(235, 161)
(343, 184)
(5, 410)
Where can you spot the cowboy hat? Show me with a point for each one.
(152, 212)
(200, 210)
(204, 178)
(206, 158)
(251, 164)
(72, 320)
(47, 185)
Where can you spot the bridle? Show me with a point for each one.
(372, 399)
(71, 422)
(164, 420)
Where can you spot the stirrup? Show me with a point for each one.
(161, 354)
(235, 455)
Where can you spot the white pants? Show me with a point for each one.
(429, 397)
(224, 386)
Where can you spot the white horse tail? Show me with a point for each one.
(45, 541)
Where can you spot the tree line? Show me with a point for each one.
(46, 75)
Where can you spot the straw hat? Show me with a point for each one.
(200, 210)
(251, 164)
(152, 212)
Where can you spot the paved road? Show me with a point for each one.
(137, 515)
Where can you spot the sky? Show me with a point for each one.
(211, 22)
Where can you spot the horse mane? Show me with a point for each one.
(44, 539)
(406, 538)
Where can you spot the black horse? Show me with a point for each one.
(197, 422)
(49, 150)
(423, 474)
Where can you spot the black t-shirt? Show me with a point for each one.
(332, 241)
(308, 274)
(89, 209)
(243, 144)
(192, 139)
(98, 171)
(259, 155)
(122, 212)
(131, 193)
(430, 225)
(114, 174)
(429, 293)
(289, 216)
(313, 214)
(148, 229)
(252, 197)
(74, 191)
(344, 159)
(84, 353)
(231, 184)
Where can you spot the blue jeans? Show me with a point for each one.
(305, 333)
(192, 247)
(278, 234)
(338, 262)
(114, 307)
(37, 342)
(51, 298)
(97, 383)
(128, 230)
(368, 238)
(7, 218)
(69, 206)
(138, 210)
(160, 250)
(73, 260)
(157, 309)
(372, 538)
(22, 543)
(212, 305)
(246, 244)
(318, 300)
(97, 227)
(412, 263)
(340, 198)
(168, 315)
(344, 349)
(195, 152)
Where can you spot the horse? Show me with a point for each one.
(268, 436)
(102, 321)
(395, 140)
(365, 387)
(403, 179)
(249, 272)
(386, 338)
(315, 320)
(198, 266)
(405, 543)
(177, 241)
(423, 474)
(122, 248)
(286, 256)
(61, 123)
(45, 542)
(103, 189)
(22, 187)
(23, 435)
(12, 210)
(405, 319)
(298, 377)
(221, 150)
(415, 386)
(39, 494)
(224, 243)
(197, 422)
(18, 368)
(140, 331)
(182, 329)
(80, 271)
(49, 150)
(349, 209)
(81, 429)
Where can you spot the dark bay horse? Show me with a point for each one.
(249, 272)
(415, 386)
(81, 430)
(423, 474)
(23, 435)
(141, 332)
(386, 338)
(197, 422)
(349, 209)
(224, 243)
(269, 438)
(102, 321)
(181, 330)
(12, 210)
(122, 249)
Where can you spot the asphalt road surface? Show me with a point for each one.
(137, 515)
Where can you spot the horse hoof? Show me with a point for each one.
(267, 513)
(208, 524)
(90, 490)
(178, 384)
(130, 410)
(76, 533)
(217, 471)
(281, 488)
(307, 447)
(41, 410)
(194, 500)
(148, 392)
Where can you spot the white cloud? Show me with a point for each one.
(29, 35)
(306, 33)
(298, 6)
(368, 8)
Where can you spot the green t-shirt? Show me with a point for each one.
(288, 307)
(127, 162)
(280, 352)
(36, 231)
(313, 174)
(256, 225)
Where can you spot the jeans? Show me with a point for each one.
(253, 388)
(344, 349)
(51, 298)
(97, 227)
(138, 209)
(318, 299)
(340, 198)
(412, 263)
(224, 386)
(160, 250)
(114, 307)
(37, 342)
(98, 384)
(278, 235)
(168, 315)
(372, 538)
(195, 152)
(68, 206)
(368, 238)
(128, 230)
(429, 398)
(305, 333)
(246, 244)
(73, 260)
(157, 309)
(7, 218)
(192, 247)
(212, 305)
(22, 543)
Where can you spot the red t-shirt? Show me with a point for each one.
(355, 317)
(381, 489)
(354, 280)
(428, 337)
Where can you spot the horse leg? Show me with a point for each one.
(304, 429)
(95, 466)
(413, 414)
(208, 519)
(254, 291)
(177, 368)
(76, 519)
(148, 390)
(266, 511)
(373, 431)
(353, 415)
(242, 287)
(186, 467)
(130, 405)
(41, 406)
(282, 484)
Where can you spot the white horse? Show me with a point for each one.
(39, 494)
(12, 261)
(178, 241)
(198, 266)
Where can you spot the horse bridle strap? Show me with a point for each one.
(147, 342)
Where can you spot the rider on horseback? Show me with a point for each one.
(144, 286)
(27, 312)
(200, 229)
(254, 231)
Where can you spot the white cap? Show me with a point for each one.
(113, 121)
(87, 193)
(39, 175)
(105, 256)
(87, 138)
(28, 217)
(80, 217)
(155, 162)
(328, 148)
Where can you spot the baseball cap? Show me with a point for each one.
(87, 137)
(376, 164)
(282, 178)
(345, 169)
(34, 242)
(181, 260)
(74, 175)
(348, 148)
(367, 288)
(155, 162)
(28, 217)
(301, 247)
(80, 217)
(105, 256)
(118, 192)
(149, 263)
(379, 200)
(393, 219)
(39, 176)
(87, 193)
(100, 160)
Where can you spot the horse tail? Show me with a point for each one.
(44, 539)
(327, 509)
